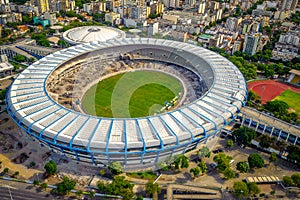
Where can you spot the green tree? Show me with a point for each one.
(62, 43)
(120, 186)
(36, 182)
(244, 135)
(65, 186)
(294, 153)
(44, 186)
(102, 172)
(243, 167)
(273, 157)
(115, 168)
(277, 107)
(50, 167)
(255, 160)
(240, 189)
(32, 164)
(223, 161)
(204, 152)
(181, 161)
(101, 186)
(229, 173)
(203, 167)
(296, 179)
(152, 188)
(79, 192)
(253, 188)
(195, 171)
(19, 58)
(287, 181)
(229, 143)
(264, 141)
(5, 170)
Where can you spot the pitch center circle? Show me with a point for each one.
(137, 93)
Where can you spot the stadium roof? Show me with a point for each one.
(86, 34)
(34, 110)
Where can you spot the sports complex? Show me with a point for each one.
(206, 93)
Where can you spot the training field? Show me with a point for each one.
(292, 99)
(270, 89)
(133, 94)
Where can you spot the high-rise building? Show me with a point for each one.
(201, 9)
(289, 5)
(4, 1)
(43, 5)
(250, 44)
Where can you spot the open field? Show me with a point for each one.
(291, 98)
(134, 94)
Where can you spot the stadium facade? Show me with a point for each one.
(135, 142)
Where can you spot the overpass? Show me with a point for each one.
(37, 51)
(266, 124)
(27, 48)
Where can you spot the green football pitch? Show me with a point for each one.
(133, 94)
(291, 98)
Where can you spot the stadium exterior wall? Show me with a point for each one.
(170, 133)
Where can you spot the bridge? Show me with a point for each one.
(266, 124)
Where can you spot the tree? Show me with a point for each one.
(115, 168)
(264, 141)
(152, 188)
(50, 167)
(204, 152)
(120, 186)
(101, 186)
(79, 192)
(181, 161)
(19, 58)
(202, 166)
(102, 172)
(196, 171)
(65, 186)
(223, 161)
(277, 107)
(229, 143)
(253, 188)
(273, 157)
(44, 186)
(287, 181)
(6, 170)
(36, 182)
(296, 179)
(243, 167)
(229, 173)
(255, 160)
(62, 43)
(244, 135)
(240, 189)
(32, 164)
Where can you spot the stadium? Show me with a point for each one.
(45, 101)
(85, 34)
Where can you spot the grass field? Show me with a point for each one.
(133, 94)
(291, 98)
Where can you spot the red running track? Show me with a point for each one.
(269, 89)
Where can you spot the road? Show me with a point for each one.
(7, 193)
(20, 191)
